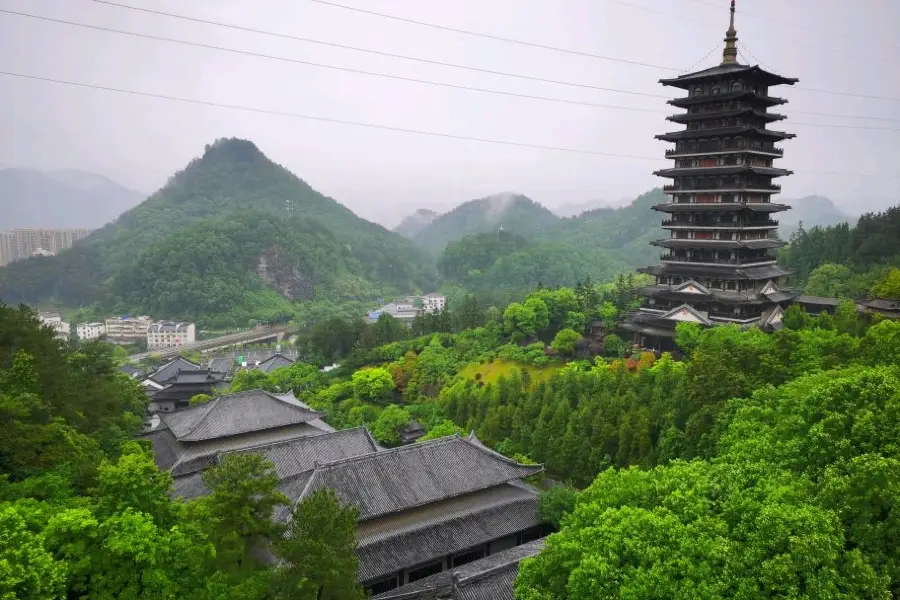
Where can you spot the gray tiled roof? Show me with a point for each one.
(236, 414)
(196, 456)
(490, 578)
(276, 361)
(294, 457)
(422, 473)
(220, 364)
(430, 532)
(171, 368)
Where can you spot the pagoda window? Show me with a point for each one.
(698, 91)
(737, 86)
(715, 91)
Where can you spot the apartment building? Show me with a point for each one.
(90, 331)
(19, 244)
(54, 321)
(169, 334)
(127, 329)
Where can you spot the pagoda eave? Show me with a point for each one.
(690, 134)
(672, 207)
(760, 244)
(731, 272)
(719, 72)
(691, 117)
(689, 101)
(723, 170)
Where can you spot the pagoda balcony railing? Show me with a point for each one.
(713, 187)
(708, 260)
(722, 224)
(718, 147)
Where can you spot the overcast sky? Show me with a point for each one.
(835, 45)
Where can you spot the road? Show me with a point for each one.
(246, 337)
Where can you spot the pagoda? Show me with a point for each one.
(719, 263)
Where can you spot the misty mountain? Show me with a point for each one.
(416, 222)
(61, 199)
(511, 212)
(233, 233)
(575, 209)
(812, 211)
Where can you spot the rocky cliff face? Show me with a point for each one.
(284, 275)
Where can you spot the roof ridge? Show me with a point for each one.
(210, 406)
(511, 562)
(386, 451)
(292, 440)
(480, 446)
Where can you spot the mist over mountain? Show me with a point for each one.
(61, 199)
(811, 211)
(416, 222)
(511, 212)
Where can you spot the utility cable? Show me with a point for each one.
(385, 75)
(375, 126)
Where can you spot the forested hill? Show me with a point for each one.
(811, 211)
(232, 177)
(598, 244)
(512, 212)
(844, 261)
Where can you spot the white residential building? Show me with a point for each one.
(55, 322)
(169, 334)
(90, 331)
(127, 330)
(433, 302)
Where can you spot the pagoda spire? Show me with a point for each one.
(729, 55)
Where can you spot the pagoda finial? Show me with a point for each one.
(729, 55)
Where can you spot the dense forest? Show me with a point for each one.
(752, 466)
(231, 178)
(844, 261)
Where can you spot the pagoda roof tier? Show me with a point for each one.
(647, 329)
(720, 207)
(722, 114)
(719, 244)
(723, 170)
(692, 291)
(723, 271)
(729, 71)
(742, 95)
(690, 134)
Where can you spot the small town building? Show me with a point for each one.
(127, 329)
(276, 361)
(169, 334)
(408, 308)
(90, 331)
(172, 385)
(54, 321)
(719, 264)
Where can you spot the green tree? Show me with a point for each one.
(27, 570)
(373, 384)
(134, 482)
(556, 503)
(445, 428)
(565, 342)
(828, 280)
(238, 510)
(889, 287)
(319, 550)
(389, 424)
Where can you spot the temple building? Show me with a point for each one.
(424, 508)
(718, 264)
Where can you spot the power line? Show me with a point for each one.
(495, 37)
(536, 45)
(325, 66)
(374, 125)
(386, 75)
(377, 52)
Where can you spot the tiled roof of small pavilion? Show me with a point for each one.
(490, 578)
(432, 531)
(170, 369)
(402, 478)
(276, 361)
(236, 414)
